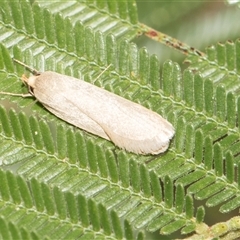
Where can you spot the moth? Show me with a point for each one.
(128, 125)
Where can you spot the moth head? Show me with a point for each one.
(29, 81)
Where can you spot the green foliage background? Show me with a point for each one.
(60, 182)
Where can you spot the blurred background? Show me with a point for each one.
(199, 23)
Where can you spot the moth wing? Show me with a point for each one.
(132, 126)
(127, 124)
(62, 104)
(146, 146)
(80, 120)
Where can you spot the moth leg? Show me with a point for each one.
(17, 94)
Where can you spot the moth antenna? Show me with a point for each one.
(103, 72)
(33, 70)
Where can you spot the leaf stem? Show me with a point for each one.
(169, 41)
